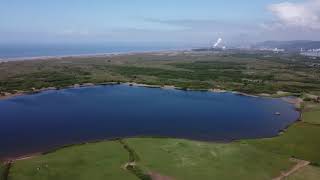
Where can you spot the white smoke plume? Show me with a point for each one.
(218, 42)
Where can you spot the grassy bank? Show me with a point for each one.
(91, 161)
(299, 141)
(181, 159)
(250, 159)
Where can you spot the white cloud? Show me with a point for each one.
(296, 15)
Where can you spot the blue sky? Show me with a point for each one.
(188, 21)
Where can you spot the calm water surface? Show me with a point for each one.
(38, 50)
(51, 119)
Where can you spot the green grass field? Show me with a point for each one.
(312, 113)
(183, 159)
(299, 141)
(180, 159)
(94, 161)
(312, 117)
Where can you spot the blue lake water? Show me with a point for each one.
(50, 119)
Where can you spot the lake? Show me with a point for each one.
(50, 119)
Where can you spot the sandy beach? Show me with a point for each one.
(112, 54)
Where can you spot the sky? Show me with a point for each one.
(191, 22)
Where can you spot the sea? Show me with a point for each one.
(12, 52)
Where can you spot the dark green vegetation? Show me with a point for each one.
(250, 73)
(1, 169)
(5, 170)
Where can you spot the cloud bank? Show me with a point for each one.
(304, 15)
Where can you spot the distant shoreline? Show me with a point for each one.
(110, 54)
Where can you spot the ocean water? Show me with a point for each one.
(12, 51)
(40, 122)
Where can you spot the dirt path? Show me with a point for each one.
(157, 176)
(300, 164)
(132, 165)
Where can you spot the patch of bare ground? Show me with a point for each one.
(300, 164)
(295, 101)
(129, 164)
(157, 176)
(6, 95)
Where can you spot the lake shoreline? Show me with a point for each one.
(12, 159)
(168, 87)
(6, 95)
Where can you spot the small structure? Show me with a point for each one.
(277, 113)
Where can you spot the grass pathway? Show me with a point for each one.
(132, 165)
(300, 164)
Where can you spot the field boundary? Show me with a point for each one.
(300, 164)
(132, 164)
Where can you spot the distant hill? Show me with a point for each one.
(289, 45)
